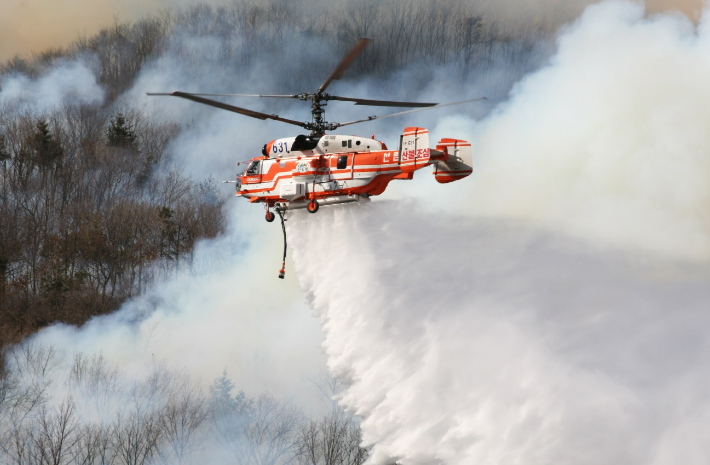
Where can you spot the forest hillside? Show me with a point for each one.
(93, 207)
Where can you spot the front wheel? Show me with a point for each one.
(313, 206)
(270, 217)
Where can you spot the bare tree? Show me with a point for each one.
(271, 431)
(56, 435)
(16, 443)
(136, 437)
(94, 379)
(333, 440)
(95, 446)
(180, 423)
(30, 367)
(87, 446)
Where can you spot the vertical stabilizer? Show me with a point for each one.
(414, 152)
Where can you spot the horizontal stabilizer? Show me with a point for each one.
(457, 161)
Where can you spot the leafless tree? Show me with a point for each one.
(333, 440)
(96, 380)
(181, 421)
(271, 430)
(135, 436)
(55, 436)
(16, 444)
(31, 367)
(94, 446)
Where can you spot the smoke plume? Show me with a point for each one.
(68, 82)
(558, 317)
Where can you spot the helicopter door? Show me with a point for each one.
(342, 163)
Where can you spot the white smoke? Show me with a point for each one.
(559, 318)
(212, 316)
(609, 141)
(67, 82)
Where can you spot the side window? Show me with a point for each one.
(342, 162)
(253, 168)
(345, 143)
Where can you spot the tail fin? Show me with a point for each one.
(414, 149)
(457, 162)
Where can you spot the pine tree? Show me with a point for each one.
(120, 133)
(47, 148)
(4, 154)
(222, 400)
(221, 395)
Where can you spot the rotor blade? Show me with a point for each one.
(224, 106)
(240, 95)
(372, 118)
(381, 103)
(344, 63)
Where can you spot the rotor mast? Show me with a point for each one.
(317, 110)
(318, 100)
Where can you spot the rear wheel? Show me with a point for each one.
(313, 206)
(270, 216)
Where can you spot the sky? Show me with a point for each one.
(28, 26)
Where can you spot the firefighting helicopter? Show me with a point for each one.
(307, 171)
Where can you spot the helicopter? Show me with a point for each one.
(319, 169)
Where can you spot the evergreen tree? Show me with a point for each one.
(221, 394)
(222, 400)
(4, 154)
(120, 133)
(47, 148)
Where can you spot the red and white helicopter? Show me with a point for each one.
(307, 171)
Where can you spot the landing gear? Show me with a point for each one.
(313, 206)
(270, 216)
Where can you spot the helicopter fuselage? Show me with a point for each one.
(294, 172)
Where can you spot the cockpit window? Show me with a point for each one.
(253, 167)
